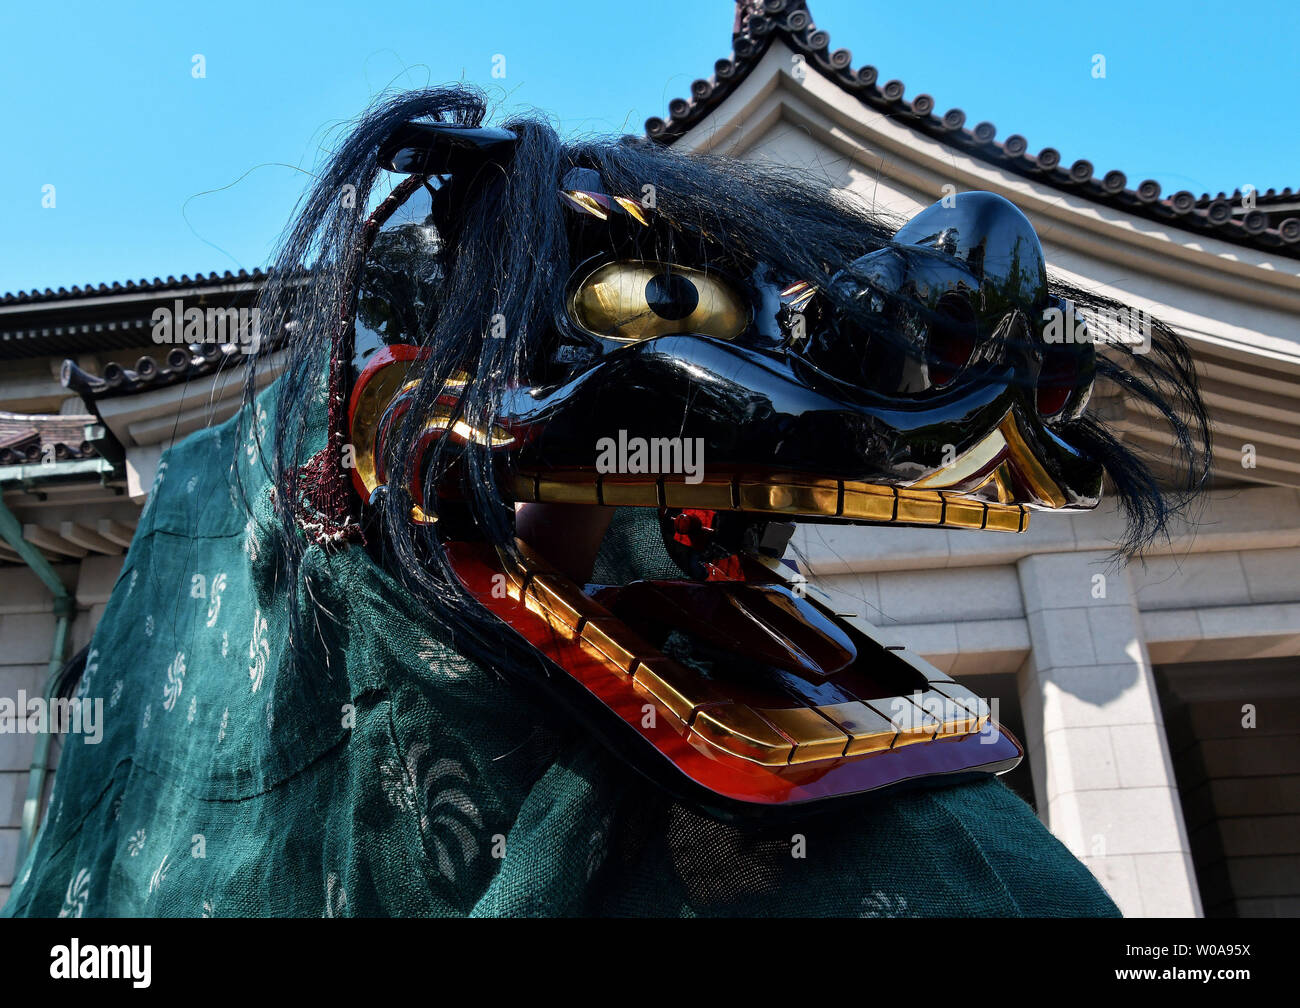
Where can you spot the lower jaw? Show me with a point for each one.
(831, 737)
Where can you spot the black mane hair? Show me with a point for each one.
(508, 255)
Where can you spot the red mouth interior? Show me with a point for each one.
(767, 644)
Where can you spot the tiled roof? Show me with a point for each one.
(156, 285)
(107, 317)
(33, 438)
(1273, 223)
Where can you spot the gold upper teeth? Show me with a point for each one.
(828, 498)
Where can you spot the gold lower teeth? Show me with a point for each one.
(942, 711)
(828, 498)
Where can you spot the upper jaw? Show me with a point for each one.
(688, 421)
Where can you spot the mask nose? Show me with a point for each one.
(903, 323)
(963, 282)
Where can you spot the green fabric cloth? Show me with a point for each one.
(391, 776)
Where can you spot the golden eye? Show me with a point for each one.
(637, 300)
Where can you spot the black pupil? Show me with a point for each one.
(671, 296)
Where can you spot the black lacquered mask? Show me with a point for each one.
(935, 400)
(533, 326)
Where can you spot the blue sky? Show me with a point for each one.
(157, 172)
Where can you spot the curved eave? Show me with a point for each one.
(880, 145)
(1270, 226)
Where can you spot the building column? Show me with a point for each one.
(1102, 775)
